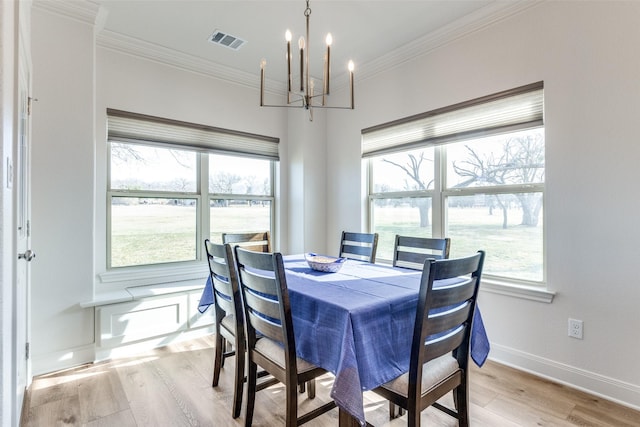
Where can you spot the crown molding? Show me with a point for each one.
(153, 52)
(81, 11)
(472, 23)
(92, 13)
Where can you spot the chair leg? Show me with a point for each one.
(395, 411)
(252, 378)
(292, 405)
(311, 389)
(218, 359)
(239, 383)
(413, 418)
(461, 398)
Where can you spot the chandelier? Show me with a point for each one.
(305, 95)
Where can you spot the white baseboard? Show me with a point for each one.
(104, 353)
(612, 389)
(52, 362)
(64, 359)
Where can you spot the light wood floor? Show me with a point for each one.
(171, 386)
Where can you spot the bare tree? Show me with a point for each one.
(415, 182)
(520, 162)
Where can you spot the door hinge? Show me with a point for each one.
(27, 348)
(30, 104)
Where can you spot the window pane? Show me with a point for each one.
(152, 230)
(515, 158)
(239, 175)
(507, 226)
(406, 171)
(238, 216)
(140, 167)
(405, 216)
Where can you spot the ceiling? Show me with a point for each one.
(364, 31)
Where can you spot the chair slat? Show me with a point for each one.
(260, 304)
(265, 327)
(360, 246)
(411, 252)
(255, 241)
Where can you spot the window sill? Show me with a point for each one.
(153, 275)
(533, 293)
(131, 284)
(136, 293)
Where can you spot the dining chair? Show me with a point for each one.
(411, 252)
(360, 246)
(439, 358)
(270, 337)
(256, 241)
(229, 323)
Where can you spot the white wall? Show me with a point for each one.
(63, 157)
(586, 54)
(307, 181)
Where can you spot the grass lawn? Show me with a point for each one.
(146, 234)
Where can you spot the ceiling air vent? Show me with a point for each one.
(226, 40)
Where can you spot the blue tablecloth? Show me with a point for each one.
(357, 324)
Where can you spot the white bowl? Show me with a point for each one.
(324, 263)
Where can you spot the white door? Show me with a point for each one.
(24, 256)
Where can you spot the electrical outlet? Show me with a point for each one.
(575, 328)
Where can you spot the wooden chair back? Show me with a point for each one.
(270, 335)
(411, 252)
(360, 246)
(254, 241)
(229, 316)
(441, 339)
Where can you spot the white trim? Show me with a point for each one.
(153, 275)
(135, 293)
(162, 55)
(136, 349)
(612, 389)
(474, 22)
(85, 12)
(63, 359)
(533, 293)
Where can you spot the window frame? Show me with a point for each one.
(139, 129)
(530, 289)
(202, 196)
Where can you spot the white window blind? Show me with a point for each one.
(502, 112)
(138, 128)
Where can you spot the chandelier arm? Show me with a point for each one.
(306, 93)
(307, 14)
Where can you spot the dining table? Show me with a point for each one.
(357, 323)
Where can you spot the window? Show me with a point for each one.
(473, 172)
(167, 194)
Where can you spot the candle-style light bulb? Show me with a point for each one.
(327, 65)
(263, 64)
(351, 67)
(287, 36)
(301, 46)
